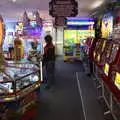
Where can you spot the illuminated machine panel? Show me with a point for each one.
(117, 80)
(107, 52)
(106, 69)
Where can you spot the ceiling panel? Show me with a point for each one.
(11, 9)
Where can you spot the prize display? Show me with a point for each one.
(19, 88)
(19, 83)
(30, 30)
(76, 32)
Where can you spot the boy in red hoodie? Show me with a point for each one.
(49, 61)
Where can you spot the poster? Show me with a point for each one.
(107, 26)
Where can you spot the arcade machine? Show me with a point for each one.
(110, 81)
(106, 30)
(76, 31)
(69, 43)
(31, 34)
(104, 56)
(19, 87)
(100, 46)
(108, 60)
(88, 43)
(30, 31)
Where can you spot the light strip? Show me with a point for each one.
(80, 23)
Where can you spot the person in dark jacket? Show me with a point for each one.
(49, 61)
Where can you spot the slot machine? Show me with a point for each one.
(88, 45)
(98, 51)
(116, 93)
(113, 61)
(100, 46)
(104, 56)
(111, 81)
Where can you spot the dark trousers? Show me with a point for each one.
(50, 73)
(91, 66)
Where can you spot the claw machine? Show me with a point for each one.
(75, 33)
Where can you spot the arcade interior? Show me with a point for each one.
(86, 36)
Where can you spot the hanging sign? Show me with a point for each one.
(61, 8)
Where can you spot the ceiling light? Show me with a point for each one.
(13, 0)
(97, 4)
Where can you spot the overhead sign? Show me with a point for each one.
(67, 8)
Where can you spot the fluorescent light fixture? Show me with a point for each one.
(13, 0)
(97, 3)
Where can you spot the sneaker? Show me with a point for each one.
(89, 74)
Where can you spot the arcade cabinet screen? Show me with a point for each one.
(106, 69)
(96, 47)
(117, 80)
(114, 51)
(107, 26)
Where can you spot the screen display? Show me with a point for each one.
(76, 36)
(114, 51)
(106, 69)
(117, 80)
